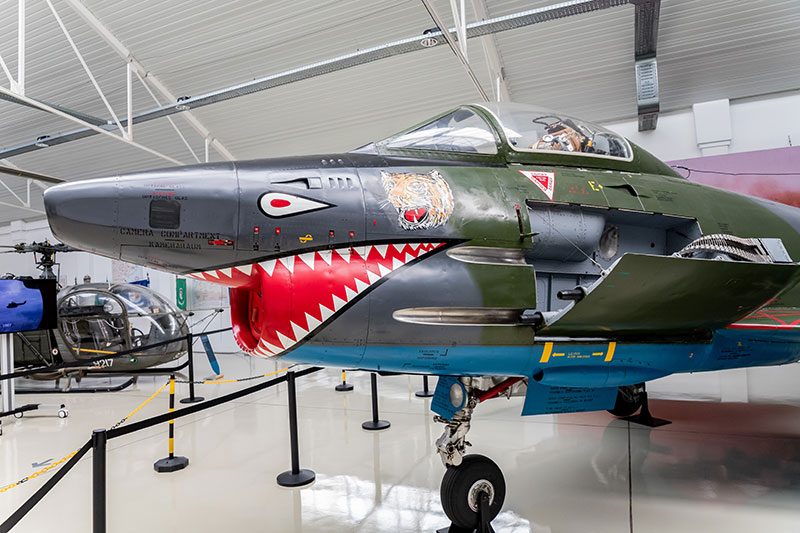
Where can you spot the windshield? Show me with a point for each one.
(459, 131)
(530, 129)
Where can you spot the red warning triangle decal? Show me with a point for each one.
(546, 181)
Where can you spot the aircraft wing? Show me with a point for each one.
(656, 296)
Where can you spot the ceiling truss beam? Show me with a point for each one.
(77, 114)
(646, 17)
(149, 78)
(457, 48)
(494, 60)
(403, 46)
(92, 127)
(86, 67)
(460, 20)
(20, 81)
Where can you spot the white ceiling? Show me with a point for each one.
(707, 49)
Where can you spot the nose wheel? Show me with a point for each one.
(473, 494)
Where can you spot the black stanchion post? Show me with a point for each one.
(425, 392)
(344, 386)
(99, 439)
(375, 424)
(171, 463)
(192, 398)
(296, 477)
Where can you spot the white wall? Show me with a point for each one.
(758, 123)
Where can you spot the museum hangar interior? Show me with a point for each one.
(577, 221)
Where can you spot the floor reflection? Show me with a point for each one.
(736, 453)
(731, 467)
(360, 504)
(739, 455)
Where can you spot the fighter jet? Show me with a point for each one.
(504, 248)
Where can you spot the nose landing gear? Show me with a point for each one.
(473, 488)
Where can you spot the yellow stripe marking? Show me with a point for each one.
(171, 420)
(558, 355)
(598, 353)
(90, 350)
(548, 349)
(611, 347)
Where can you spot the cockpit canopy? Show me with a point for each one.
(459, 131)
(514, 128)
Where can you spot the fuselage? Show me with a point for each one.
(430, 262)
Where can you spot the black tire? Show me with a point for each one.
(459, 480)
(629, 400)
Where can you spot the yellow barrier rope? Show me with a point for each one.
(249, 378)
(40, 472)
(68, 457)
(156, 393)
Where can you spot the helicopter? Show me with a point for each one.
(96, 319)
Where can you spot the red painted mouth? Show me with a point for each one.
(278, 303)
(415, 215)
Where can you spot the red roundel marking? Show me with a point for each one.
(279, 202)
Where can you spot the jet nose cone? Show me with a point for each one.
(83, 214)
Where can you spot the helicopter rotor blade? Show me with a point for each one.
(23, 248)
(31, 175)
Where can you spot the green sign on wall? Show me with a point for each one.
(180, 293)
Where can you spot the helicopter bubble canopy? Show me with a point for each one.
(100, 318)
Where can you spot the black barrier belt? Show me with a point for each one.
(84, 362)
(160, 419)
(25, 508)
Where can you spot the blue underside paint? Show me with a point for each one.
(541, 399)
(566, 377)
(569, 365)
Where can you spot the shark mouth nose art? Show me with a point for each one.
(279, 303)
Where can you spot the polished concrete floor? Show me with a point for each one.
(718, 467)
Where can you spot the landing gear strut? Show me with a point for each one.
(473, 488)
